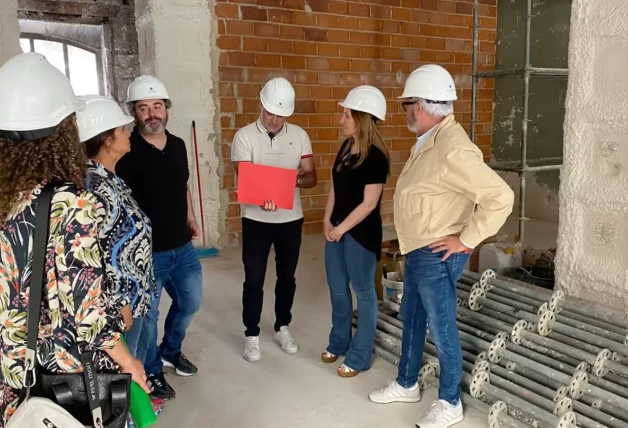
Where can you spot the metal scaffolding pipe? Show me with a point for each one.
(588, 416)
(575, 320)
(474, 69)
(583, 336)
(555, 385)
(503, 294)
(548, 357)
(500, 307)
(572, 351)
(542, 417)
(570, 304)
(534, 71)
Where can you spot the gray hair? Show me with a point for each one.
(438, 110)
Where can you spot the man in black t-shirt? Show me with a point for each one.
(156, 170)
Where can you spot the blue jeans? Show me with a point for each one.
(133, 338)
(429, 297)
(347, 261)
(179, 272)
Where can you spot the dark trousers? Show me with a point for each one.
(257, 238)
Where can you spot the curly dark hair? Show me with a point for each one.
(25, 165)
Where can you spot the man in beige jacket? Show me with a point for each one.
(446, 202)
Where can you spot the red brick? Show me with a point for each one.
(339, 7)
(305, 48)
(293, 4)
(304, 19)
(291, 32)
(447, 6)
(247, 90)
(430, 4)
(321, 93)
(229, 42)
(267, 61)
(280, 15)
(360, 65)
(328, 50)
(227, 10)
(307, 77)
(230, 74)
(263, 29)
(348, 23)
(254, 44)
(371, 24)
(317, 64)
(391, 26)
(250, 13)
(338, 36)
(464, 8)
(241, 59)
(357, 9)
(281, 46)
(338, 64)
(381, 12)
(269, 3)
(240, 28)
(327, 21)
(315, 34)
(293, 62)
(360, 38)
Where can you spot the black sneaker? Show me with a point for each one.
(159, 387)
(181, 365)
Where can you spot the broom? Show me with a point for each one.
(203, 251)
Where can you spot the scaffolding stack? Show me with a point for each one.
(523, 166)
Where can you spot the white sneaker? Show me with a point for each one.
(252, 352)
(395, 393)
(441, 415)
(283, 338)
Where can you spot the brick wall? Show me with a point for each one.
(327, 47)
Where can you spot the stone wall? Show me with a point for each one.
(593, 229)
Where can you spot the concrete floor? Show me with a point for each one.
(280, 391)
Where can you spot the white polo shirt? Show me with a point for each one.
(253, 143)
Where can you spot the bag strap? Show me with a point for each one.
(42, 219)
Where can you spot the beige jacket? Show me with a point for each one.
(445, 188)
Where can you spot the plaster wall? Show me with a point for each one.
(592, 260)
(177, 44)
(9, 31)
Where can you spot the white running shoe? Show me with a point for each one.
(252, 352)
(283, 338)
(441, 415)
(395, 393)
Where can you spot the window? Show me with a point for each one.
(79, 64)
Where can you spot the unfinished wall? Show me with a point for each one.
(176, 45)
(549, 48)
(9, 30)
(327, 47)
(593, 235)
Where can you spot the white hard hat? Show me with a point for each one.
(146, 88)
(277, 97)
(367, 99)
(430, 82)
(34, 94)
(101, 114)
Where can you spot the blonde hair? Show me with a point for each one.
(366, 135)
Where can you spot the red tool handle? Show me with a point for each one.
(198, 179)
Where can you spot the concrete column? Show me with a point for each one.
(177, 44)
(9, 31)
(592, 258)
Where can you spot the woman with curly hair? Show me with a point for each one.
(39, 143)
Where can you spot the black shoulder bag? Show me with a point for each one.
(94, 399)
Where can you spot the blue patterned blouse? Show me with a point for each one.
(125, 240)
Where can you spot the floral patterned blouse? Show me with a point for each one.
(77, 313)
(125, 238)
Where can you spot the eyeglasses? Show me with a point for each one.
(407, 104)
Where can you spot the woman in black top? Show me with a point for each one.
(353, 229)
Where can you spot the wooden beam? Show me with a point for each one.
(100, 9)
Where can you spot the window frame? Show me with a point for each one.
(65, 43)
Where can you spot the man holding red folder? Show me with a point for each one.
(273, 142)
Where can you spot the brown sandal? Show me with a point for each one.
(346, 371)
(328, 357)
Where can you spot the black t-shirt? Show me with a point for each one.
(349, 184)
(158, 180)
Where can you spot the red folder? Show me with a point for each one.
(260, 183)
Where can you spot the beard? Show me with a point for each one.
(148, 128)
